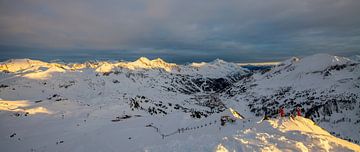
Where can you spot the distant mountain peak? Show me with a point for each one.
(143, 60)
(158, 60)
(145, 63)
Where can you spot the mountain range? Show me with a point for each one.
(70, 106)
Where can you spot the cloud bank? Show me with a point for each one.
(186, 30)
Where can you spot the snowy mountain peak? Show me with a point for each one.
(159, 60)
(218, 61)
(143, 60)
(313, 63)
(325, 59)
(14, 65)
(145, 63)
(320, 62)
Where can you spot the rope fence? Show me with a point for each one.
(189, 128)
(181, 130)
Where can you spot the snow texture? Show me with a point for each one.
(152, 105)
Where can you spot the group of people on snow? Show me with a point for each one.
(281, 113)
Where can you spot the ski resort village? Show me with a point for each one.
(300, 104)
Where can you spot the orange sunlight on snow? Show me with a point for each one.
(21, 106)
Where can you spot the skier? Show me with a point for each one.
(223, 120)
(281, 111)
(266, 117)
(298, 111)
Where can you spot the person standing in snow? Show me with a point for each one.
(281, 112)
(266, 117)
(223, 121)
(298, 111)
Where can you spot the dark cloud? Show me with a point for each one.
(181, 31)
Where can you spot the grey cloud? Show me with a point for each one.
(234, 29)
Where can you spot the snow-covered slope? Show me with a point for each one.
(141, 63)
(326, 87)
(27, 65)
(298, 134)
(215, 69)
(355, 58)
(128, 104)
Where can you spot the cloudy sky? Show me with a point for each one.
(178, 30)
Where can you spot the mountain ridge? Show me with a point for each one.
(95, 95)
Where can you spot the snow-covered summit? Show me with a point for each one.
(317, 62)
(145, 63)
(295, 68)
(15, 65)
(214, 69)
(320, 62)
